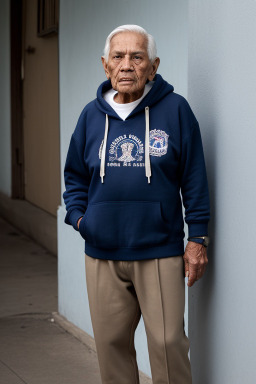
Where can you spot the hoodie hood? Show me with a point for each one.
(159, 90)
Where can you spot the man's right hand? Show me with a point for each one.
(78, 221)
(196, 260)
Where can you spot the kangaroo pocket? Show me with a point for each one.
(124, 224)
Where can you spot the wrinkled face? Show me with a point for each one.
(128, 66)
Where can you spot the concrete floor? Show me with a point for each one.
(34, 348)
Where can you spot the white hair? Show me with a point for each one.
(132, 28)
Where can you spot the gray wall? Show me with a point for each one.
(222, 92)
(5, 119)
(83, 29)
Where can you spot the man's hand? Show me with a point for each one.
(78, 221)
(195, 259)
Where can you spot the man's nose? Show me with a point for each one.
(127, 64)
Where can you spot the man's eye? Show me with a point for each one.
(117, 57)
(137, 57)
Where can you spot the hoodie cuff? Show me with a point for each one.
(197, 229)
(72, 218)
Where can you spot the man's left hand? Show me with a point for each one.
(195, 260)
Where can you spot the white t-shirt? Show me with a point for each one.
(124, 110)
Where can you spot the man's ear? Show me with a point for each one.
(155, 66)
(105, 66)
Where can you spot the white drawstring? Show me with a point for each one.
(147, 158)
(103, 153)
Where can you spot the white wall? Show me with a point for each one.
(83, 29)
(222, 92)
(5, 117)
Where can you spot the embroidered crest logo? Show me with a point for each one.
(158, 142)
(124, 150)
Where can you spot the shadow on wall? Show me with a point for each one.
(202, 294)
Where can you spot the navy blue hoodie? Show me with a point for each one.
(125, 177)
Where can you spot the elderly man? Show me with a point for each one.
(134, 149)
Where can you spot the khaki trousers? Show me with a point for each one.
(119, 292)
